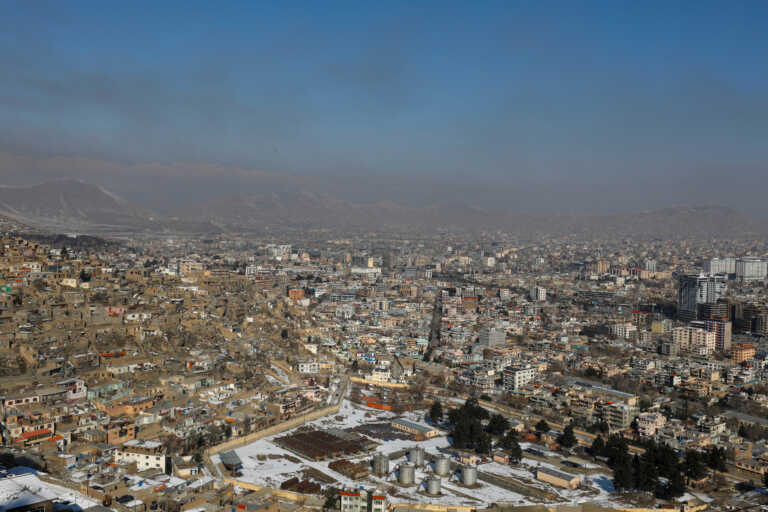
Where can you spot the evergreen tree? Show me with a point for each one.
(598, 447)
(509, 443)
(666, 460)
(675, 487)
(716, 459)
(651, 476)
(617, 450)
(622, 475)
(568, 439)
(498, 424)
(483, 444)
(694, 465)
(515, 452)
(509, 438)
(436, 412)
(646, 473)
(636, 472)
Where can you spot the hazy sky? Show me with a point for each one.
(504, 92)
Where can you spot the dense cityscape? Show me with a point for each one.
(454, 256)
(382, 372)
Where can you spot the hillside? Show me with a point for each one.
(74, 206)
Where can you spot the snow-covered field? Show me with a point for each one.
(265, 463)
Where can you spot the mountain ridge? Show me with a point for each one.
(74, 205)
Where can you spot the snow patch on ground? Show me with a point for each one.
(22, 489)
(265, 463)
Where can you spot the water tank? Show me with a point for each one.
(469, 476)
(433, 485)
(381, 464)
(407, 474)
(416, 456)
(442, 466)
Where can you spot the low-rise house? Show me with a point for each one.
(558, 478)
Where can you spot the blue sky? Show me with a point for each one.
(492, 92)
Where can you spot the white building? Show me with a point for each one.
(751, 269)
(308, 367)
(538, 293)
(361, 500)
(720, 266)
(624, 330)
(146, 454)
(492, 336)
(515, 377)
(381, 374)
(694, 339)
(649, 422)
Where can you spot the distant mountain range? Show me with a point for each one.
(74, 206)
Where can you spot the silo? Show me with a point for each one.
(433, 485)
(469, 476)
(407, 474)
(416, 456)
(380, 464)
(442, 466)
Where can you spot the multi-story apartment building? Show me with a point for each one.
(694, 339)
(741, 352)
(120, 431)
(362, 500)
(492, 336)
(308, 367)
(650, 422)
(538, 293)
(484, 379)
(720, 266)
(515, 377)
(751, 269)
(624, 330)
(618, 416)
(723, 333)
(146, 454)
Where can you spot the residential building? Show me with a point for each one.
(723, 333)
(751, 269)
(146, 454)
(741, 352)
(515, 377)
(492, 337)
(648, 423)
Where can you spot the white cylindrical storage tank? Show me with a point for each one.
(381, 464)
(416, 456)
(469, 475)
(433, 485)
(442, 466)
(407, 474)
